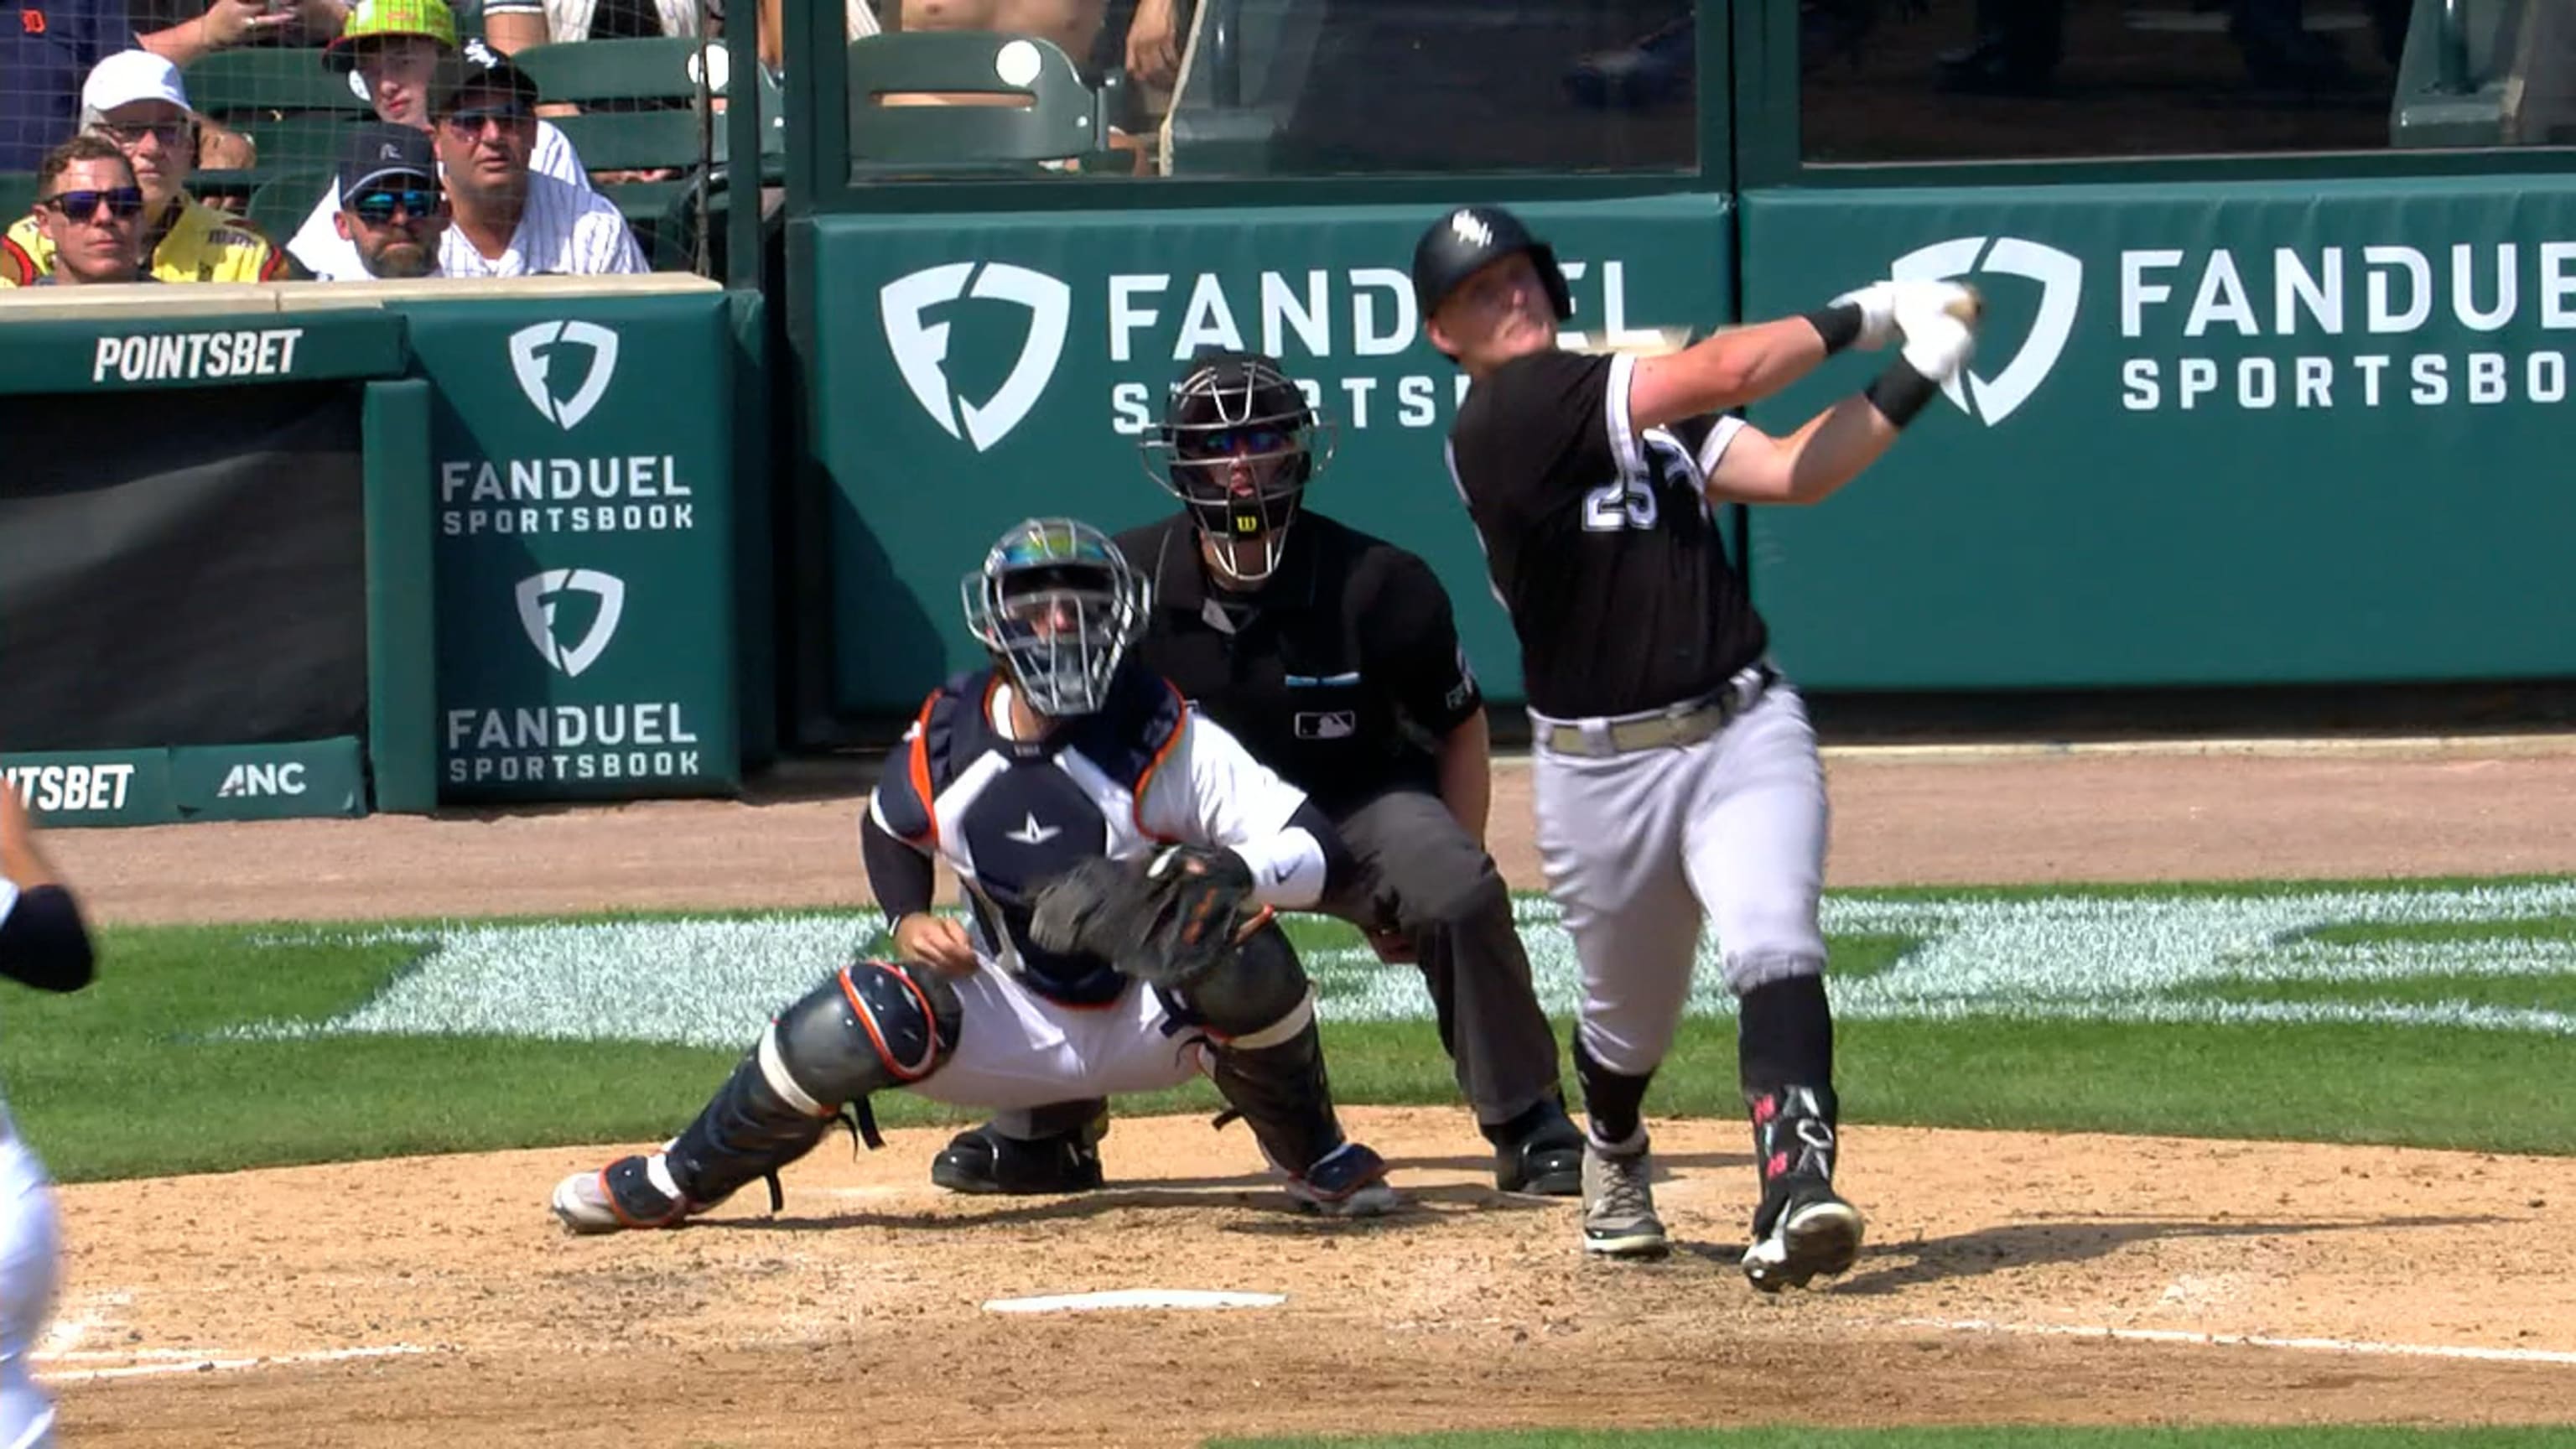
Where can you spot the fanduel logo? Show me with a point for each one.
(532, 349)
(538, 594)
(921, 348)
(2061, 281)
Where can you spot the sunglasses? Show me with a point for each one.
(1227, 442)
(377, 208)
(172, 134)
(471, 123)
(124, 203)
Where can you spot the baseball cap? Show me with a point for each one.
(376, 153)
(129, 76)
(478, 69)
(430, 18)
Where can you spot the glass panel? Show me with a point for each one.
(2005, 79)
(1277, 88)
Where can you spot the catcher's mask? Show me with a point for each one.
(1237, 444)
(1058, 606)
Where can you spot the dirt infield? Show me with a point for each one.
(2010, 1277)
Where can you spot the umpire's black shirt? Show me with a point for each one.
(1599, 537)
(1340, 672)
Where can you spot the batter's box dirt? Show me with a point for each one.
(2002, 1264)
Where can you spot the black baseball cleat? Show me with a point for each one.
(981, 1160)
(1543, 1157)
(1811, 1233)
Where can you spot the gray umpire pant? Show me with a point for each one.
(1421, 872)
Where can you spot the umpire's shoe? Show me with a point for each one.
(1540, 1151)
(632, 1192)
(982, 1160)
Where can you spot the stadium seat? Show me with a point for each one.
(1062, 119)
(586, 73)
(235, 86)
(17, 195)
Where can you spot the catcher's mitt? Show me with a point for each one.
(1168, 918)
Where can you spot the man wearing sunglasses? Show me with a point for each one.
(511, 221)
(392, 212)
(1334, 657)
(134, 99)
(90, 214)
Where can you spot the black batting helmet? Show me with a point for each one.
(1470, 239)
(1228, 409)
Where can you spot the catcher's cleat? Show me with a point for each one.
(1544, 1158)
(981, 1160)
(1812, 1234)
(1619, 1202)
(632, 1192)
(1350, 1182)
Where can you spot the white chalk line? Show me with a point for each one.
(2247, 1340)
(191, 1361)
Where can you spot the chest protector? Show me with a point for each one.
(1009, 816)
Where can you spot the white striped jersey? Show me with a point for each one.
(8, 903)
(564, 231)
(331, 257)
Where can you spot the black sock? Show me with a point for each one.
(1785, 1037)
(1611, 1099)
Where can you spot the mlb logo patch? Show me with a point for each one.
(1336, 724)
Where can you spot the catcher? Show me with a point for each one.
(1120, 857)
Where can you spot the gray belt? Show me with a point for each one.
(1674, 728)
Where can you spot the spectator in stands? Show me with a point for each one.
(567, 20)
(46, 46)
(397, 48)
(135, 101)
(392, 212)
(510, 221)
(92, 214)
(859, 19)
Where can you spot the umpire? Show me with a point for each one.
(1334, 657)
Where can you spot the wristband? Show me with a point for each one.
(1839, 323)
(1900, 392)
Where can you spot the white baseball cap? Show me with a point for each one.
(129, 76)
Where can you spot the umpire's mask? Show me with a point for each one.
(1237, 445)
(1058, 606)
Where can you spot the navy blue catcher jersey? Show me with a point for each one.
(1011, 815)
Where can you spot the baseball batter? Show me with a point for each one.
(1064, 751)
(44, 944)
(1674, 774)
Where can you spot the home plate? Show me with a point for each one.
(1135, 1298)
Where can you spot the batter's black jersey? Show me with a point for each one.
(1340, 673)
(1599, 538)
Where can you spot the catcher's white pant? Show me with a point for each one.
(27, 1276)
(1640, 849)
(1017, 1049)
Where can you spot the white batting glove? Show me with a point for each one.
(1938, 321)
(1877, 304)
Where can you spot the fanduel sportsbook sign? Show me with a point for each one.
(2213, 435)
(984, 369)
(585, 631)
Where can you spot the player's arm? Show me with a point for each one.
(43, 941)
(1743, 464)
(1747, 364)
(898, 838)
(1209, 790)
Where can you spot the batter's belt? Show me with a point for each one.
(1681, 725)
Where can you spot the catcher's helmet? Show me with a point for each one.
(1237, 444)
(1468, 240)
(1059, 607)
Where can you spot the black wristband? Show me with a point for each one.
(1838, 323)
(1900, 392)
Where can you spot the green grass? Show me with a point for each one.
(2366, 1437)
(134, 1076)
